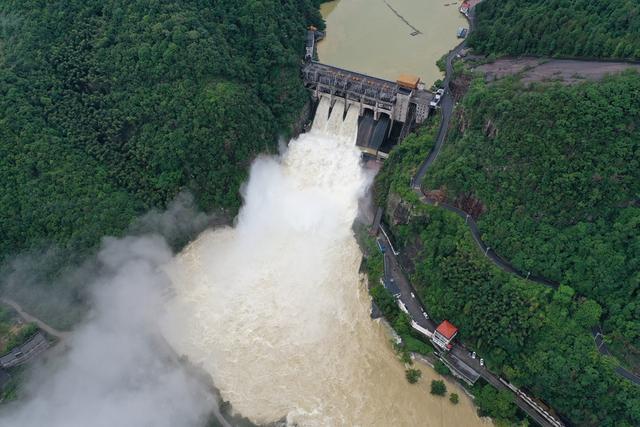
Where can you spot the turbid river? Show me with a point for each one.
(368, 36)
(275, 310)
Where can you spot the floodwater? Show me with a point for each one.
(369, 37)
(275, 310)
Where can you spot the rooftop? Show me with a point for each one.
(447, 330)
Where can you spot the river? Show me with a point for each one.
(369, 37)
(275, 310)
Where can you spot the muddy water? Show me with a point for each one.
(276, 311)
(367, 36)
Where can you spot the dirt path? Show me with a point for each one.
(566, 71)
(29, 318)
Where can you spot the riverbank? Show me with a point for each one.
(412, 351)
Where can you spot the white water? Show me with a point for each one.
(274, 308)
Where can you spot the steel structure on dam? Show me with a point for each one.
(380, 102)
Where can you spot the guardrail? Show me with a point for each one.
(539, 409)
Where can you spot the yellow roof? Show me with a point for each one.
(408, 80)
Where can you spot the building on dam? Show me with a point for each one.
(388, 110)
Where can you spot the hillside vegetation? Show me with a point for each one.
(575, 28)
(110, 108)
(537, 338)
(556, 173)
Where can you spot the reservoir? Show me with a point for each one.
(385, 38)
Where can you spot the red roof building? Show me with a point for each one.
(444, 334)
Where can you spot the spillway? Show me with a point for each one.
(275, 310)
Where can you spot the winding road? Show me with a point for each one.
(446, 105)
(32, 319)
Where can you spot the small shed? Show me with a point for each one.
(408, 81)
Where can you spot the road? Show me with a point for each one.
(62, 335)
(446, 109)
(29, 318)
(415, 307)
(489, 252)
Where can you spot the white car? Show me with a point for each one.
(440, 92)
(481, 362)
(473, 355)
(426, 316)
(412, 295)
(436, 100)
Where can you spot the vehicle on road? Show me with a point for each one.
(412, 295)
(473, 355)
(481, 362)
(435, 101)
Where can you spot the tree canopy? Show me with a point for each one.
(556, 171)
(110, 108)
(575, 28)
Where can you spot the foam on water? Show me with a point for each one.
(274, 308)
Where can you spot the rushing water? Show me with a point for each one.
(275, 310)
(367, 36)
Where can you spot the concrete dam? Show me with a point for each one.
(387, 110)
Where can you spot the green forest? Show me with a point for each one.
(110, 108)
(555, 171)
(551, 173)
(536, 338)
(568, 28)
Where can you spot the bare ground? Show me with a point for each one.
(567, 71)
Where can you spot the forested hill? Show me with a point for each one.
(574, 28)
(109, 108)
(553, 173)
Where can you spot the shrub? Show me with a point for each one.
(441, 368)
(413, 375)
(438, 388)
(453, 398)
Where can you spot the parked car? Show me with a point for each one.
(473, 355)
(440, 92)
(412, 295)
(436, 100)
(481, 362)
(426, 316)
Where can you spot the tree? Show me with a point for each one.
(548, 27)
(413, 375)
(496, 404)
(588, 313)
(438, 388)
(441, 368)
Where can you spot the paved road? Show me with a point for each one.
(29, 318)
(489, 252)
(446, 107)
(415, 308)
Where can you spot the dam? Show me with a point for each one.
(387, 110)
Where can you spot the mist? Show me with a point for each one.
(272, 308)
(115, 369)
